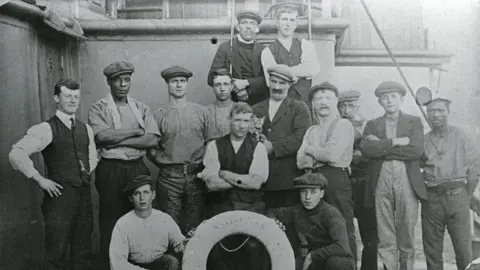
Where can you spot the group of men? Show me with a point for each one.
(314, 165)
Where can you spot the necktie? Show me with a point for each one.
(72, 124)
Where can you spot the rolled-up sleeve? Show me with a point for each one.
(267, 61)
(259, 165)
(92, 149)
(309, 66)
(37, 138)
(97, 119)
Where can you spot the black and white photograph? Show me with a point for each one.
(239, 135)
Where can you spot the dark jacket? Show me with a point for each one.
(257, 90)
(286, 133)
(323, 227)
(382, 150)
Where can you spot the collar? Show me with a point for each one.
(244, 41)
(224, 105)
(64, 117)
(316, 209)
(270, 101)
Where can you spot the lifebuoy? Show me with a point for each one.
(238, 222)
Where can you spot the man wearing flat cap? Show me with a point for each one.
(242, 59)
(141, 238)
(320, 223)
(286, 121)
(124, 128)
(451, 172)
(327, 148)
(299, 54)
(394, 143)
(184, 129)
(348, 109)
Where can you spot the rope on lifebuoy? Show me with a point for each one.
(235, 249)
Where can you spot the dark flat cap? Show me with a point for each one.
(389, 87)
(350, 95)
(249, 14)
(176, 71)
(310, 180)
(322, 86)
(118, 68)
(282, 71)
(138, 182)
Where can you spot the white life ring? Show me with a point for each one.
(238, 222)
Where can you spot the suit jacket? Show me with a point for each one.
(382, 150)
(257, 90)
(286, 133)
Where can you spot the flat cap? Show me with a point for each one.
(389, 87)
(138, 182)
(249, 14)
(350, 95)
(118, 68)
(310, 180)
(440, 99)
(176, 71)
(322, 86)
(282, 71)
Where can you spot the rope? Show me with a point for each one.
(235, 249)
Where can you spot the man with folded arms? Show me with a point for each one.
(450, 171)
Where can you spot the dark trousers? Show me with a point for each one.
(111, 178)
(285, 198)
(181, 195)
(68, 220)
(166, 262)
(238, 253)
(339, 194)
(367, 225)
(332, 263)
(450, 211)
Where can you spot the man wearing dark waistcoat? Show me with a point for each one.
(124, 128)
(243, 56)
(298, 54)
(69, 153)
(236, 166)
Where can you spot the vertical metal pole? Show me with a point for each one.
(409, 87)
(309, 3)
(232, 29)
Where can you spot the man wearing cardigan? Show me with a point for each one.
(394, 145)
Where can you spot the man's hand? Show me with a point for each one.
(179, 248)
(307, 262)
(242, 95)
(48, 185)
(279, 223)
(268, 145)
(401, 141)
(240, 84)
(372, 138)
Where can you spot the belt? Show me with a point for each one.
(319, 169)
(440, 190)
(188, 169)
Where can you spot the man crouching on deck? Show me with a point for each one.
(320, 223)
(236, 166)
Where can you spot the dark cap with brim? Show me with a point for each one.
(118, 68)
(350, 95)
(249, 14)
(320, 87)
(311, 180)
(440, 99)
(281, 71)
(390, 87)
(175, 71)
(137, 182)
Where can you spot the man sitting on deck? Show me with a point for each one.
(320, 223)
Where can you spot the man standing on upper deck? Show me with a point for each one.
(451, 171)
(394, 144)
(298, 54)
(243, 55)
(184, 129)
(124, 128)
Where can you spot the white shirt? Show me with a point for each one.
(308, 68)
(273, 106)
(38, 138)
(142, 240)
